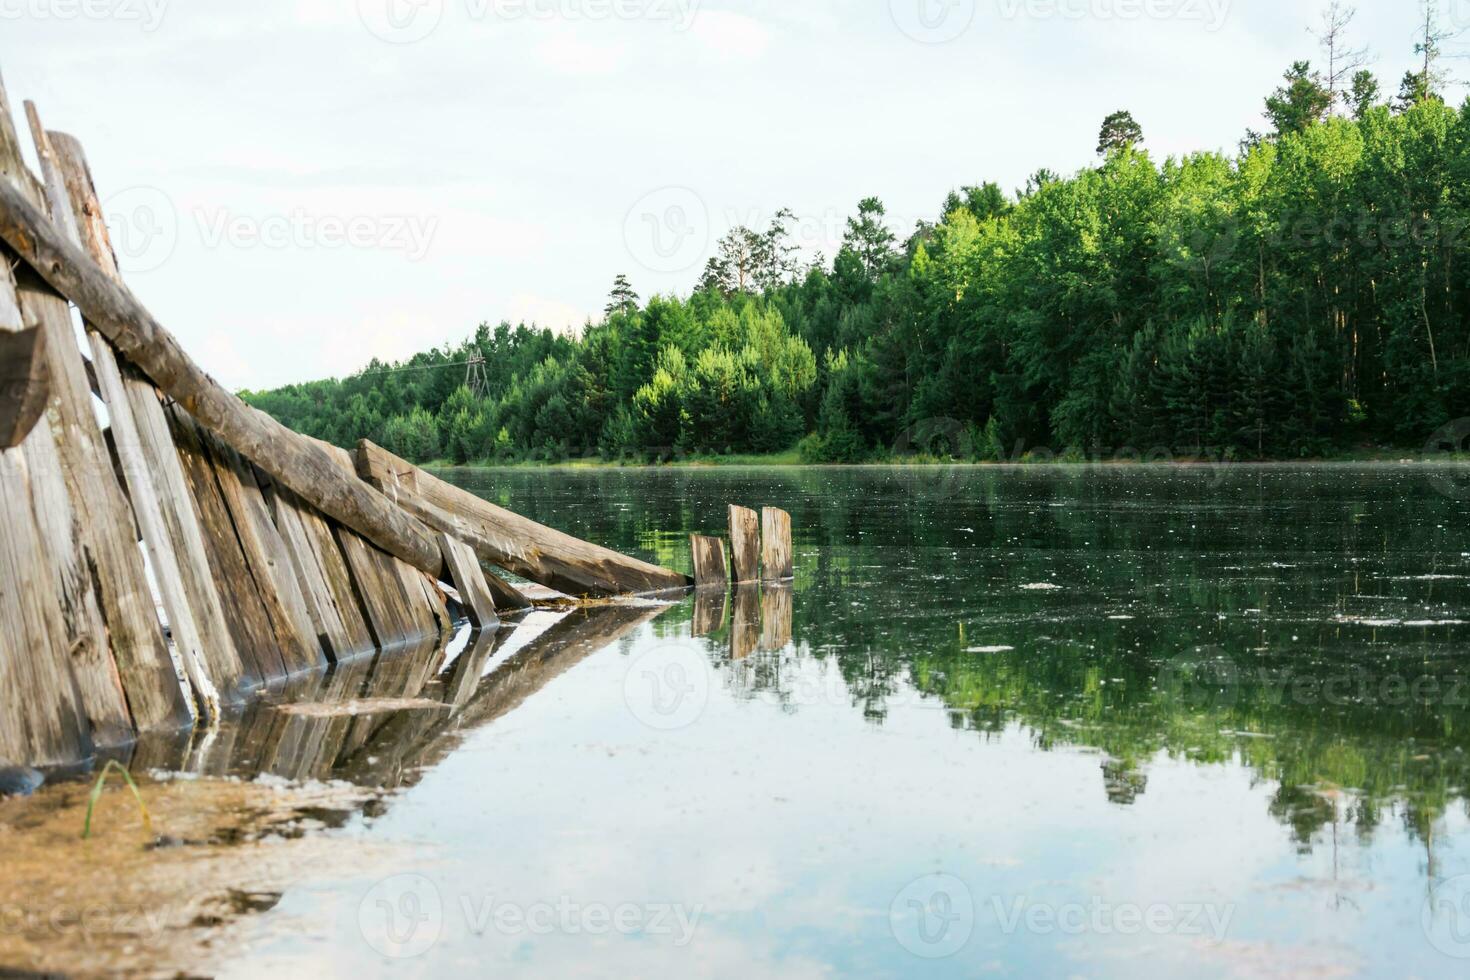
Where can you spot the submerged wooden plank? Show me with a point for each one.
(502, 538)
(776, 556)
(745, 544)
(710, 564)
(469, 579)
(322, 571)
(245, 613)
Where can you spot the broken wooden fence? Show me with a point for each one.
(126, 470)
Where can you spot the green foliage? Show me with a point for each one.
(1297, 298)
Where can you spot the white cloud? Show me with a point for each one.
(729, 36)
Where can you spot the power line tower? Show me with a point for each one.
(475, 378)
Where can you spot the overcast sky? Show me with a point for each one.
(297, 186)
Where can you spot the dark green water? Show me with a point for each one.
(1033, 723)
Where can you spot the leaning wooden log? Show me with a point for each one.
(745, 543)
(776, 545)
(469, 579)
(710, 564)
(297, 463)
(500, 537)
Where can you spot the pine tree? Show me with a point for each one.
(1120, 130)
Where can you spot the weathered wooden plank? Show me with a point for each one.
(534, 551)
(322, 571)
(710, 564)
(249, 623)
(268, 560)
(776, 557)
(297, 463)
(379, 589)
(745, 544)
(153, 675)
(469, 579)
(42, 722)
(225, 667)
(84, 516)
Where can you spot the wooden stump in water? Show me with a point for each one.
(710, 564)
(776, 545)
(745, 543)
(469, 579)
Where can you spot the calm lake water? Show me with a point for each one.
(1031, 723)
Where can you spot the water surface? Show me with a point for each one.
(1013, 722)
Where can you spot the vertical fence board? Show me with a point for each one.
(244, 610)
(42, 722)
(322, 571)
(265, 553)
(227, 669)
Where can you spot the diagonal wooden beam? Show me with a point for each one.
(115, 312)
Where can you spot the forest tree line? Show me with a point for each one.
(1301, 296)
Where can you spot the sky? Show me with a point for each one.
(298, 186)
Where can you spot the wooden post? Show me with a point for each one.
(469, 579)
(296, 462)
(745, 543)
(710, 566)
(776, 545)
